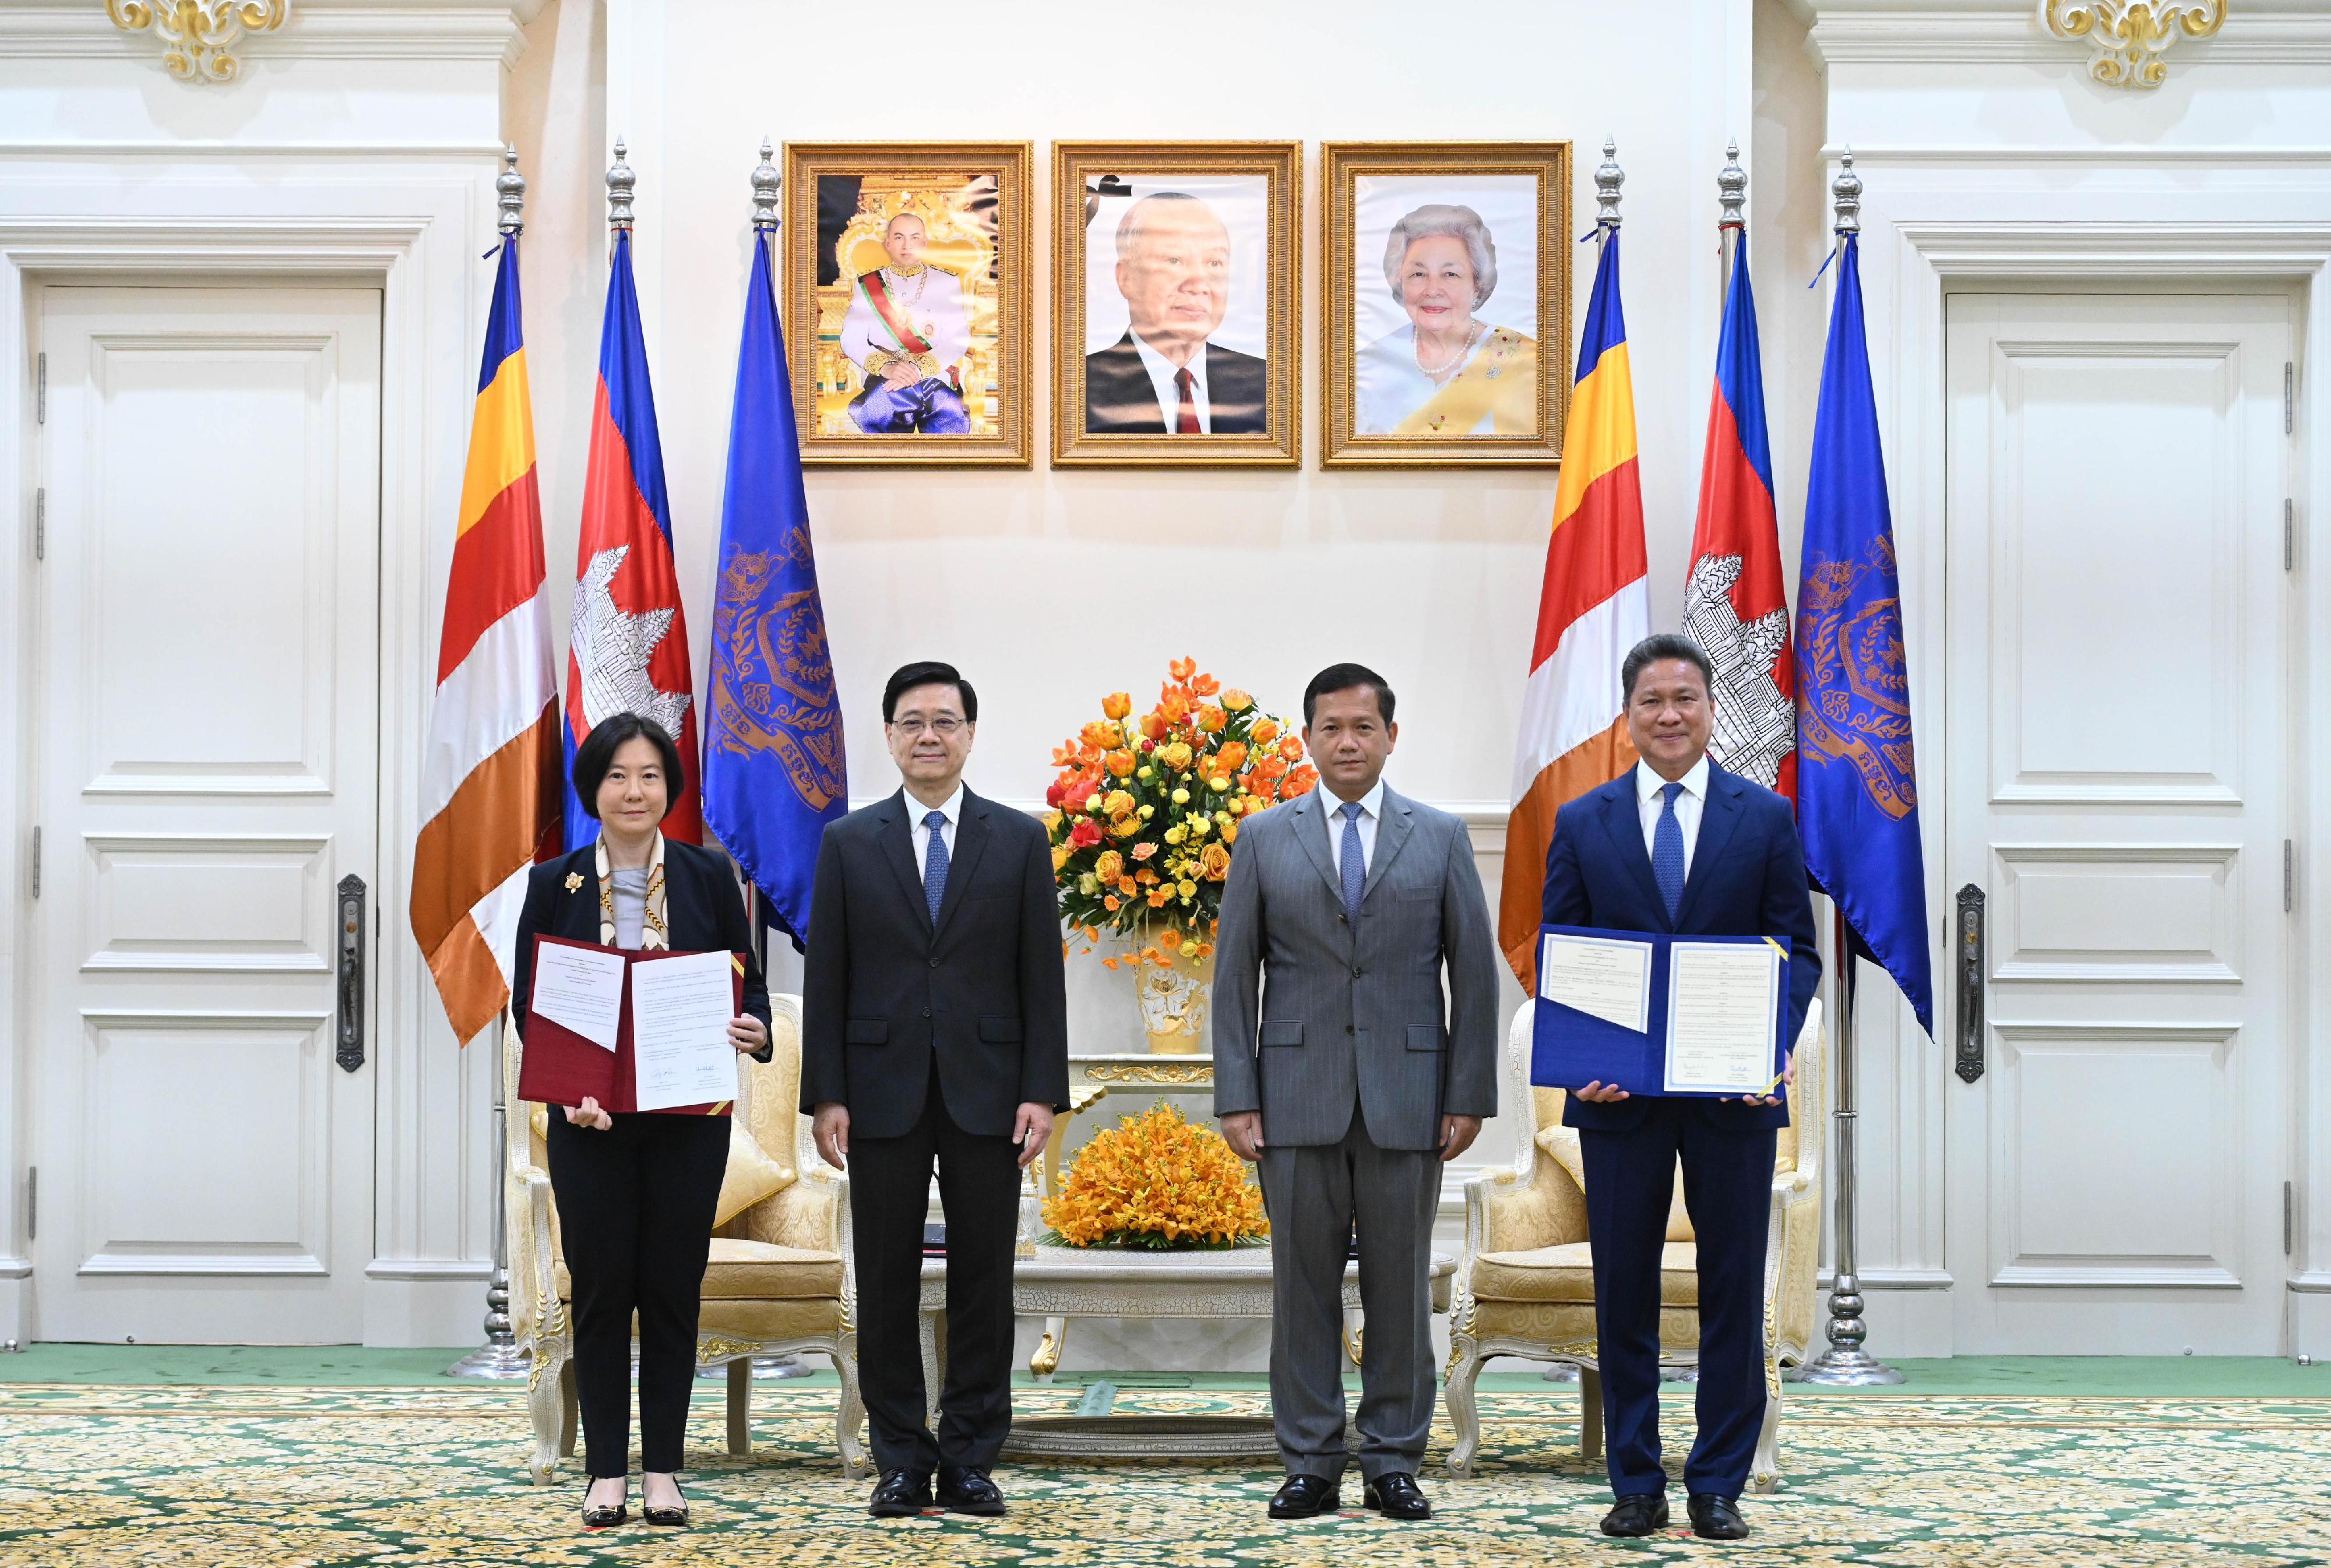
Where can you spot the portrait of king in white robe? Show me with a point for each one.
(906, 332)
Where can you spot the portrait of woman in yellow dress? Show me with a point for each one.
(1447, 371)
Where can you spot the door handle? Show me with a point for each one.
(348, 1027)
(1969, 954)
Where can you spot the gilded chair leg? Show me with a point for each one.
(570, 1409)
(740, 1405)
(1590, 1413)
(1765, 1470)
(544, 1412)
(853, 1414)
(934, 1363)
(1464, 1410)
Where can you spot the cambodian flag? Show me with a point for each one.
(773, 772)
(1857, 781)
(1734, 604)
(628, 650)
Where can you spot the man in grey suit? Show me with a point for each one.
(1350, 1082)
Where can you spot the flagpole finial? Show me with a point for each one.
(1847, 189)
(509, 192)
(766, 184)
(620, 181)
(1732, 189)
(1607, 181)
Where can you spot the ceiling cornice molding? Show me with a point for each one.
(1992, 32)
(317, 30)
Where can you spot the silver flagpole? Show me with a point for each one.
(499, 1359)
(1845, 1365)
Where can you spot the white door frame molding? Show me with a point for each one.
(1929, 231)
(416, 236)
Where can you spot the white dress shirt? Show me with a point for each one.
(921, 833)
(1687, 806)
(1371, 812)
(1162, 372)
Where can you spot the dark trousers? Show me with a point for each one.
(1727, 1186)
(635, 1205)
(1315, 1195)
(890, 1195)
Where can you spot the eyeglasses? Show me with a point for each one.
(945, 728)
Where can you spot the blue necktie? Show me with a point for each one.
(1355, 864)
(934, 864)
(1667, 853)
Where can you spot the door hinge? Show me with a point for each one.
(41, 389)
(41, 524)
(2290, 874)
(2290, 535)
(2289, 1217)
(36, 862)
(33, 1204)
(2289, 396)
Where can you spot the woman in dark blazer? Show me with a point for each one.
(637, 1191)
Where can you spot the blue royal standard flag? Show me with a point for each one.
(774, 772)
(1857, 781)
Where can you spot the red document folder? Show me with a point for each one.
(560, 1068)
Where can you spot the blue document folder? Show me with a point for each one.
(1572, 1049)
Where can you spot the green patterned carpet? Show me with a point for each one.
(255, 1477)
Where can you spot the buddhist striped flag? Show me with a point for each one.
(1593, 607)
(490, 774)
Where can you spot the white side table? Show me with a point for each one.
(1063, 1282)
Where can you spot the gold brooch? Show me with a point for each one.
(574, 881)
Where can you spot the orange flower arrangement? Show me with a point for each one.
(1161, 1181)
(1144, 811)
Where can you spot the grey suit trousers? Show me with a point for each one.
(1314, 1193)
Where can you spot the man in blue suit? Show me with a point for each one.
(1679, 845)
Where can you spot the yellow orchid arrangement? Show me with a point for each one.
(1158, 1180)
(1144, 811)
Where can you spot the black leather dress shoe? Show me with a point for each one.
(1397, 1495)
(1715, 1518)
(1643, 1514)
(604, 1519)
(900, 1493)
(1305, 1498)
(964, 1490)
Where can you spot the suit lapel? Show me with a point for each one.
(1622, 819)
(576, 917)
(1392, 833)
(1718, 817)
(1311, 830)
(970, 835)
(899, 849)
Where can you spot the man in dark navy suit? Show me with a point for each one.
(1679, 845)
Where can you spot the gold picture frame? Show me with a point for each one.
(1106, 377)
(1507, 379)
(974, 200)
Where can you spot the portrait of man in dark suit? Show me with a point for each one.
(1165, 376)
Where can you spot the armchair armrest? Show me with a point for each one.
(805, 1214)
(1515, 1210)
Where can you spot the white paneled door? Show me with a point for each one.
(208, 762)
(2120, 735)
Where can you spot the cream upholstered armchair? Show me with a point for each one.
(780, 1280)
(1526, 1287)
